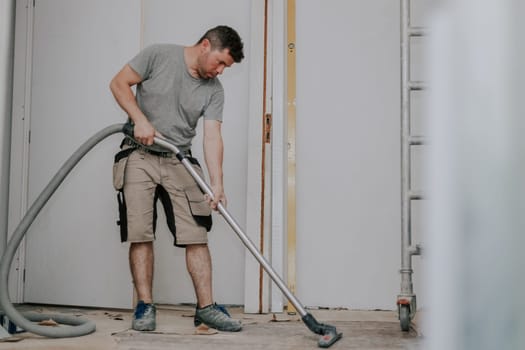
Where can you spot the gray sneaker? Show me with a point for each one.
(214, 317)
(144, 317)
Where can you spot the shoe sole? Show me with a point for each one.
(143, 328)
(222, 329)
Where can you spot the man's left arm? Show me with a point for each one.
(213, 155)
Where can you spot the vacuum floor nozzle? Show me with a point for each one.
(329, 338)
(329, 334)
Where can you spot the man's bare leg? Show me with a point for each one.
(198, 262)
(141, 265)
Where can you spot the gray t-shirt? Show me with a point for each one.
(172, 99)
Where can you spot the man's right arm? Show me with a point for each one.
(121, 88)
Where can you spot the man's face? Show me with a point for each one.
(213, 62)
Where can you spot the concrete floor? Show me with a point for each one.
(364, 330)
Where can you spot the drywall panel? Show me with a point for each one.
(74, 255)
(348, 153)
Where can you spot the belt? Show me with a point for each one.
(163, 154)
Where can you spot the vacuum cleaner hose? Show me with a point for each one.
(24, 321)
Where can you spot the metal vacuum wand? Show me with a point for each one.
(329, 334)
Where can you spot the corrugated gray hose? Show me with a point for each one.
(81, 326)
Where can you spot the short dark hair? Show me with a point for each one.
(223, 37)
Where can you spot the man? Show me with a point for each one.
(175, 86)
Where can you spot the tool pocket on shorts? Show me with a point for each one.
(199, 207)
(119, 167)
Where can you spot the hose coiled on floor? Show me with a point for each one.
(81, 326)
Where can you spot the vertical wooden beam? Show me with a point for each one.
(291, 94)
(266, 125)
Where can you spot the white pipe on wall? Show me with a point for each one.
(476, 173)
(7, 30)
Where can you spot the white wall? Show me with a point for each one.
(73, 255)
(76, 50)
(348, 144)
(348, 153)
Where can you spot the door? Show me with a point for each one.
(347, 153)
(74, 255)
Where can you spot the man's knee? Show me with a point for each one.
(141, 250)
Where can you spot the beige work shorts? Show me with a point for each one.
(148, 178)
